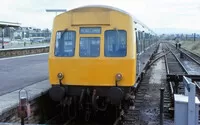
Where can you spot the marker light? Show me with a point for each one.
(118, 77)
(60, 76)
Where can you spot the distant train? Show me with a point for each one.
(96, 54)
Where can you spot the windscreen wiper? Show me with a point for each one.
(63, 33)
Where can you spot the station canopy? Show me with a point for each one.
(4, 24)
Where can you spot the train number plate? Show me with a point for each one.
(90, 30)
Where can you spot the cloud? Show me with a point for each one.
(154, 13)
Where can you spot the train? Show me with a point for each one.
(96, 55)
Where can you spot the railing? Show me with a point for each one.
(22, 48)
(23, 51)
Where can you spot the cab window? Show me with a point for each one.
(115, 44)
(89, 47)
(65, 43)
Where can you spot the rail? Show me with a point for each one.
(194, 77)
(187, 50)
(191, 52)
(186, 53)
(182, 66)
(179, 77)
(190, 57)
(171, 76)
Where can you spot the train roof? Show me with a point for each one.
(136, 21)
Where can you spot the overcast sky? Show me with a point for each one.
(182, 14)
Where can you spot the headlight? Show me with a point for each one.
(118, 77)
(60, 76)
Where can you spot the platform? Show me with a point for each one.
(11, 100)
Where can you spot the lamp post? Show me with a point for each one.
(2, 42)
(56, 10)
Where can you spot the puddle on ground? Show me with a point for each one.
(157, 72)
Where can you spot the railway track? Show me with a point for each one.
(173, 67)
(132, 116)
(189, 60)
(141, 115)
(191, 55)
(188, 65)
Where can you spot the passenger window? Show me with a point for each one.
(137, 41)
(139, 34)
(89, 47)
(115, 44)
(65, 43)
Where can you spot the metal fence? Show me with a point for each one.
(22, 44)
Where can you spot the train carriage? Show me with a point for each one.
(97, 51)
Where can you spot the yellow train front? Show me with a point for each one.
(93, 56)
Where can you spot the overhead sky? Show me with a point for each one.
(157, 14)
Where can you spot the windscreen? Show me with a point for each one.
(65, 43)
(89, 47)
(115, 43)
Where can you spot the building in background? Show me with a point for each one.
(30, 33)
(26, 33)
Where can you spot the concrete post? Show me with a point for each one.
(191, 104)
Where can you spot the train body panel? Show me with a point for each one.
(93, 72)
(99, 70)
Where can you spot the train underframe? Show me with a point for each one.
(87, 101)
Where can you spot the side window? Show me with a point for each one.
(139, 35)
(65, 43)
(137, 41)
(143, 41)
(89, 47)
(136, 34)
(145, 37)
(115, 44)
(140, 42)
(150, 38)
